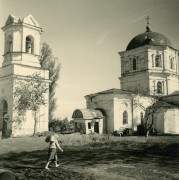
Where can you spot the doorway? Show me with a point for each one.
(96, 127)
(3, 111)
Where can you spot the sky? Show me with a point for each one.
(86, 36)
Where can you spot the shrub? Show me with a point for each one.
(62, 126)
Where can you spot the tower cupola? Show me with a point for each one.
(22, 41)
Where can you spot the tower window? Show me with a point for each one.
(29, 45)
(159, 88)
(172, 63)
(9, 44)
(158, 62)
(125, 117)
(134, 64)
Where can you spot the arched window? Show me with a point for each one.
(9, 44)
(158, 62)
(142, 117)
(172, 63)
(134, 64)
(159, 88)
(125, 117)
(29, 45)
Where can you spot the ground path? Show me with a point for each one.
(126, 159)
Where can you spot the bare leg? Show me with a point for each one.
(56, 158)
(46, 167)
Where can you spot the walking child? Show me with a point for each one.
(52, 152)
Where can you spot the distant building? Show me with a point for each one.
(21, 59)
(89, 121)
(149, 68)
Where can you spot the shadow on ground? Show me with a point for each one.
(145, 157)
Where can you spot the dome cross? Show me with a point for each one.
(148, 18)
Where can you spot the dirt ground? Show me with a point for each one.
(131, 158)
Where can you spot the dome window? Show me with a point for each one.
(29, 45)
(158, 62)
(134, 64)
(172, 66)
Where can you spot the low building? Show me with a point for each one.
(88, 121)
(163, 117)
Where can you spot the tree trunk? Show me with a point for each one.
(35, 124)
(147, 133)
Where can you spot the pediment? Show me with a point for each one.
(12, 19)
(31, 21)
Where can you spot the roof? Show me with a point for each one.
(163, 104)
(114, 91)
(171, 98)
(149, 38)
(30, 20)
(87, 114)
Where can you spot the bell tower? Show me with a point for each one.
(22, 41)
(21, 60)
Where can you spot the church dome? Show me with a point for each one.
(149, 38)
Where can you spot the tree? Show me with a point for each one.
(156, 105)
(29, 94)
(49, 62)
(62, 125)
(149, 115)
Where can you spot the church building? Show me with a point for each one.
(149, 69)
(21, 59)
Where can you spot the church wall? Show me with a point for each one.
(171, 121)
(152, 53)
(120, 106)
(6, 94)
(170, 53)
(166, 121)
(27, 31)
(106, 105)
(44, 116)
(135, 82)
(133, 78)
(154, 79)
(16, 43)
(177, 120)
(24, 125)
(26, 71)
(6, 71)
(159, 121)
(114, 107)
(173, 84)
(140, 104)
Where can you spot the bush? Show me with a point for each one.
(44, 133)
(62, 126)
(124, 132)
